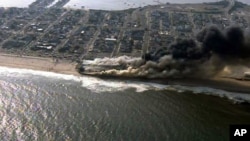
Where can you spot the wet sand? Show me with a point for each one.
(218, 82)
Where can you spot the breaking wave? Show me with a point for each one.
(98, 85)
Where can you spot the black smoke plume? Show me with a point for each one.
(228, 44)
(204, 56)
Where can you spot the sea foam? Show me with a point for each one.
(98, 85)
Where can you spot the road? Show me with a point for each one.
(230, 6)
(47, 29)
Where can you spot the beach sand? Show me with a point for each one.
(67, 67)
(38, 63)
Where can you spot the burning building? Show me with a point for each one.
(203, 56)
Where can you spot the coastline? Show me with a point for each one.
(67, 67)
(38, 63)
(222, 83)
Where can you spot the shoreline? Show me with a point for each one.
(222, 83)
(67, 67)
(121, 5)
(38, 63)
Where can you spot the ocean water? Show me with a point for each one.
(124, 4)
(37, 106)
(105, 4)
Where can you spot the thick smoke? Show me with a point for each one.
(123, 61)
(205, 56)
(229, 44)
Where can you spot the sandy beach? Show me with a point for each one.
(38, 63)
(67, 67)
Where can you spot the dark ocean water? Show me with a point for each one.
(41, 106)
